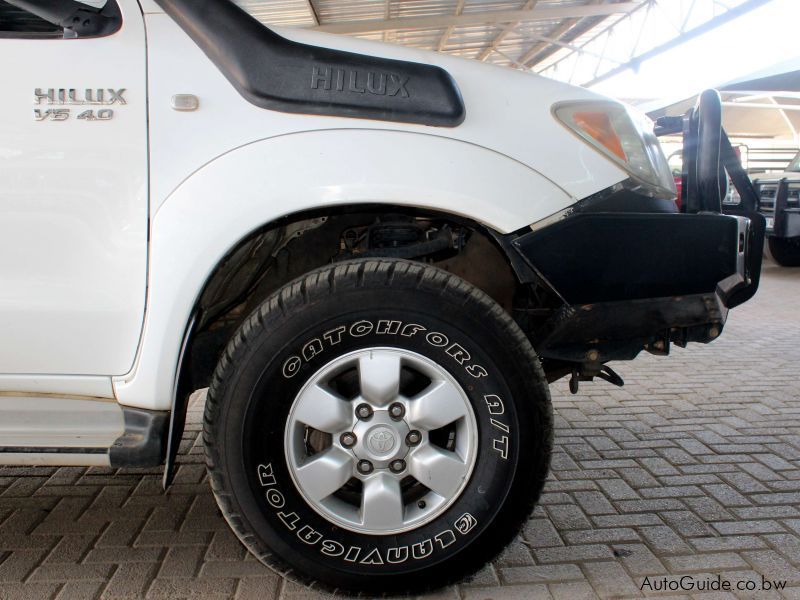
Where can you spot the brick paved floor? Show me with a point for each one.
(692, 468)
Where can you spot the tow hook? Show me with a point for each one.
(605, 373)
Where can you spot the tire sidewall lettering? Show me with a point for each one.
(332, 548)
(316, 346)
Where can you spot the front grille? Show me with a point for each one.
(767, 198)
(794, 196)
(768, 193)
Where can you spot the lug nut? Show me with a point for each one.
(348, 439)
(413, 438)
(363, 411)
(397, 466)
(396, 411)
(364, 467)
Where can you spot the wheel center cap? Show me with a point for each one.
(381, 440)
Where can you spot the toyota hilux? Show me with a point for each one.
(375, 258)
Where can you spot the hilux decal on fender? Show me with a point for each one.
(357, 554)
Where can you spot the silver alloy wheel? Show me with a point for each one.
(419, 462)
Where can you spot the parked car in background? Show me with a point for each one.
(779, 202)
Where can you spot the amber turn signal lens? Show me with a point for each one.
(598, 126)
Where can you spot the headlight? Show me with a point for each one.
(625, 138)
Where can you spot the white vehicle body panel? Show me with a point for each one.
(229, 198)
(73, 200)
(790, 175)
(219, 173)
(223, 171)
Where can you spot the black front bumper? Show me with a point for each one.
(607, 257)
(634, 281)
(628, 276)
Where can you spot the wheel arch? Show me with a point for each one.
(499, 274)
(274, 180)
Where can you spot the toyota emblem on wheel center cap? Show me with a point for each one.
(382, 441)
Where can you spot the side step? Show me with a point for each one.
(50, 430)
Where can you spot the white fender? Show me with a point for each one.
(241, 191)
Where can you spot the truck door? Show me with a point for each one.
(73, 191)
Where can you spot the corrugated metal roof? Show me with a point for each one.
(506, 32)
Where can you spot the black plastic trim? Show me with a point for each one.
(180, 402)
(144, 442)
(275, 73)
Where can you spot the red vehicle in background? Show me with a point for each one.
(675, 162)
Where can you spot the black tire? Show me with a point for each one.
(785, 251)
(249, 401)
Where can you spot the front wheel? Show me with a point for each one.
(785, 251)
(378, 426)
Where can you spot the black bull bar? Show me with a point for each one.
(708, 160)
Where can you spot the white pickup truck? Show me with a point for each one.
(375, 258)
